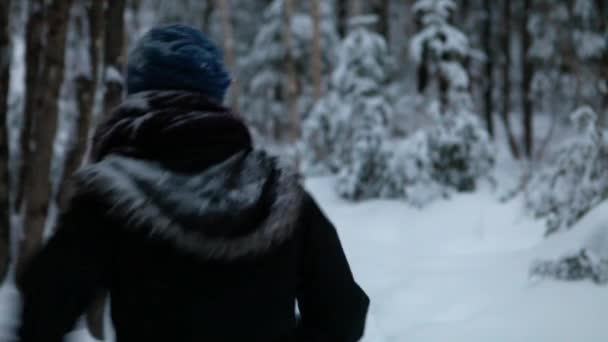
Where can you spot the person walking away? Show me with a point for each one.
(197, 235)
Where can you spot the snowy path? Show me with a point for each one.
(455, 271)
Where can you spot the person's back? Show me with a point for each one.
(196, 235)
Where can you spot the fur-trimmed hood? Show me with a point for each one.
(241, 207)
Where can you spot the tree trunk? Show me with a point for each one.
(356, 8)
(5, 63)
(228, 32)
(602, 7)
(86, 87)
(33, 56)
(208, 11)
(317, 62)
(291, 86)
(443, 86)
(506, 78)
(113, 57)
(342, 15)
(526, 86)
(382, 10)
(465, 10)
(44, 126)
(489, 67)
(422, 71)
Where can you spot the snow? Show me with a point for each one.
(458, 270)
(455, 271)
(9, 305)
(590, 44)
(112, 75)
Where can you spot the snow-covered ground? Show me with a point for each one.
(455, 271)
(458, 271)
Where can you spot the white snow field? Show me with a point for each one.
(458, 271)
(454, 271)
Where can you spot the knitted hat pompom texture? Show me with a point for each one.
(177, 57)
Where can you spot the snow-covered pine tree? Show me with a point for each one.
(264, 67)
(568, 44)
(409, 171)
(361, 74)
(459, 146)
(450, 156)
(460, 151)
(583, 265)
(347, 129)
(361, 177)
(440, 50)
(554, 84)
(574, 180)
(590, 41)
(322, 132)
(590, 262)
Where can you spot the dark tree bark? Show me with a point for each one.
(209, 7)
(229, 49)
(381, 8)
(465, 7)
(356, 8)
(342, 15)
(33, 57)
(602, 7)
(38, 165)
(489, 67)
(114, 58)
(316, 49)
(527, 73)
(86, 87)
(291, 86)
(506, 85)
(422, 71)
(422, 77)
(5, 63)
(443, 87)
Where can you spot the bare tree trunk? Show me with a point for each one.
(208, 11)
(113, 54)
(489, 67)
(5, 64)
(291, 86)
(356, 8)
(133, 24)
(228, 32)
(33, 57)
(526, 86)
(443, 87)
(422, 72)
(342, 14)
(602, 7)
(38, 166)
(317, 63)
(465, 9)
(382, 10)
(506, 85)
(86, 87)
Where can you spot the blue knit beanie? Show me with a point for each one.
(177, 57)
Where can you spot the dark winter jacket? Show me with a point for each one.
(197, 237)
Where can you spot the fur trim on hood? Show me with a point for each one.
(241, 207)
